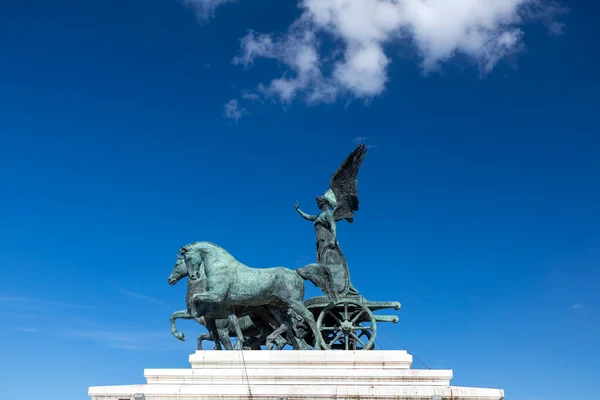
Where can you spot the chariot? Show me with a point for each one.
(270, 299)
(349, 323)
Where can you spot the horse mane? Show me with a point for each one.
(202, 242)
(203, 246)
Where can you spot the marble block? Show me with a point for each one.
(296, 375)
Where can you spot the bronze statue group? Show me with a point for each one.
(264, 307)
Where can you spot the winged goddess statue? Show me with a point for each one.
(330, 272)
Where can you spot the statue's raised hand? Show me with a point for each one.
(303, 214)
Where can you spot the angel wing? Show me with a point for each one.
(344, 184)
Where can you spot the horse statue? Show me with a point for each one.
(222, 320)
(253, 334)
(234, 289)
(219, 320)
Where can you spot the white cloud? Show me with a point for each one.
(360, 31)
(298, 50)
(233, 110)
(576, 306)
(205, 8)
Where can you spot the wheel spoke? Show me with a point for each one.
(357, 316)
(358, 340)
(334, 317)
(335, 339)
(364, 327)
(346, 313)
(346, 340)
(365, 333)
(329, 328)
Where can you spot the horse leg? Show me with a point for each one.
(299, 330)
(280, 343)
(276, 333)
(254, 343)
(200, 303)
(282, 319)
(290, 333)
(212, 328)
(303, 312)
(202, 337)
(300, 333)
(183, 314)
(262, 320)
(233, 320)
(224, 334)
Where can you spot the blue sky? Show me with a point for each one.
(131, 128)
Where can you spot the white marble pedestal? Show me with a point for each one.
(296, 375)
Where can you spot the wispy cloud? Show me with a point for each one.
(252, 97)
(233, 110)
(576, 306)
(363, 140)
(25, 329)
(26, 307)
(125, 347)
(36, 303)
(102, 336)
(205, 9)
(138, 296)
(120, 338)
(556, 28)
(68, 326)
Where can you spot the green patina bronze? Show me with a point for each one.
(330, 271)
(265, 306)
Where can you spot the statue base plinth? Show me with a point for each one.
(296, 375)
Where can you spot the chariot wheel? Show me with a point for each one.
(347, 325)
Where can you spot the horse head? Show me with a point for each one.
(179, 272)
(194, 259)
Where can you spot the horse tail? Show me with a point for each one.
(302, 274)
(320, 277)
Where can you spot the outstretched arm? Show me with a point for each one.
(304, 215)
